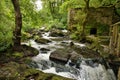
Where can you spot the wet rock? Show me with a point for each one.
(16, 71)
(39, 34)
(29, 51)
(33, 64)
(74, 53)
(42, 41)
(60, 55)
(44, 49)
(115, 66)
(62, 68)
(44, 64)
(57, 33)
(74, 57)
(86, 52)
(32, 32)
(63, 55)
(12, 70)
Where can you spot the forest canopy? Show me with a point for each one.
(54, 13)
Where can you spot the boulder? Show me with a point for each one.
(42, 41)
(16, 71)
(57, 33)
(44, 50)
(65, 54)
(86, 52)
(60, 55)
(39, 34)
(29, 51)
(75, 54)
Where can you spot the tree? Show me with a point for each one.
(18, 25)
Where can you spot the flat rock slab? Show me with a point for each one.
(73, 54)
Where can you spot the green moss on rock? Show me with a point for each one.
(16, 71)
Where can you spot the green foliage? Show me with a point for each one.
(80, 16)
(71, 4)
(6, 25)
(95, 3)
(55, 24)
(108, 2)
(75, 35)
(103, 29)
(25, 36)
(50, 16)
(29, 14)
(95, 44)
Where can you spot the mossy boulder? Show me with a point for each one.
(26, 36)
(29, 51)
(57, 33)
(42, 40)
(15, 71)
(23, 52)
(92, 42)
(73, 53)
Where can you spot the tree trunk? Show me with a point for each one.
(85, 20)
(18, 25)
(87, 4)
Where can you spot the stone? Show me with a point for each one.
(29, 51)
(42, 41)
(44, 49)
(57, 33)
(16, 71)
(60, 55)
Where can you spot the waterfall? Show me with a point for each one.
(85, 71)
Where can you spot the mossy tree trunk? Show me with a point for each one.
(18, 25)
(86, 9)
(83, 27)
(87, 4)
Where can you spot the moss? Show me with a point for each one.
(42, 40)
(18, 54)
(15, 71)
(25, 36)
(104, 40)
(94, 42)
(60, 78)
(38, 75)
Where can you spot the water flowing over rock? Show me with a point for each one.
(73, 61)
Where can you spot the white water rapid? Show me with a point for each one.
(84, 72)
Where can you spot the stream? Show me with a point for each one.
(84, 72)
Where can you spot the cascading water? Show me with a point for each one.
(84, 71)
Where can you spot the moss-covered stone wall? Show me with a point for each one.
(94, 18)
